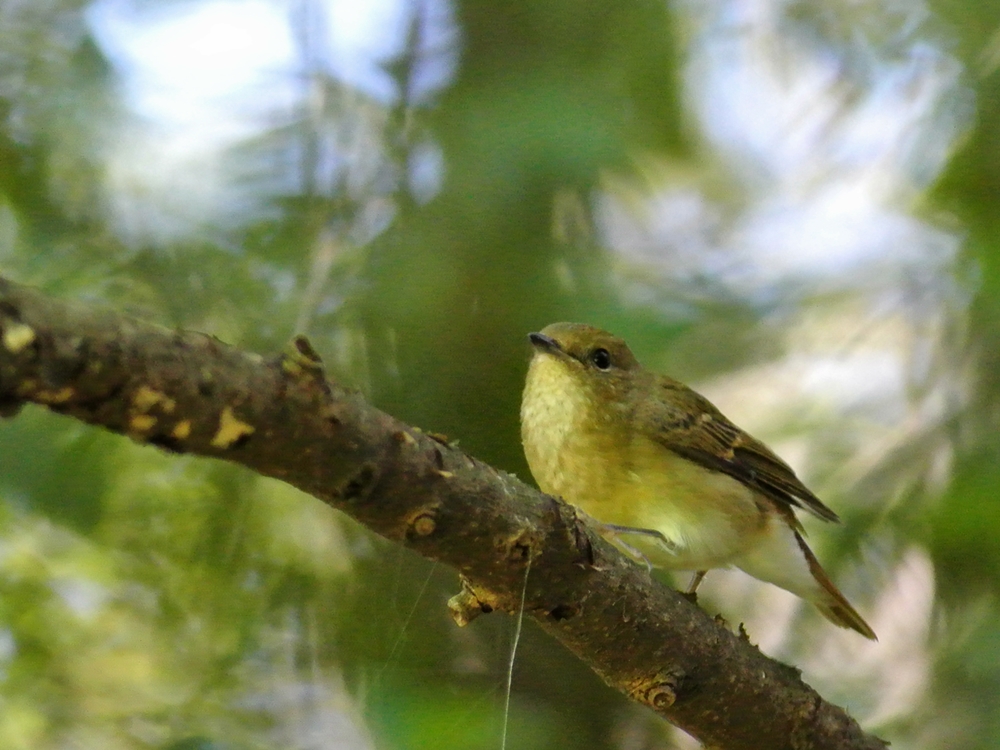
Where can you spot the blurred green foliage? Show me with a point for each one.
(692, 176)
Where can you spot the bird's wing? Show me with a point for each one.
(690, 426)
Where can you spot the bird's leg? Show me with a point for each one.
(692, 588)
(695, 581)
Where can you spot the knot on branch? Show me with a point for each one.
(300, 359)
(360, 484)
(518, 545)
(422, 523)
(303, 366)
(660, 690)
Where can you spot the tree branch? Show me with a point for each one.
(190, 393)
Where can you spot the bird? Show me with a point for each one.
(665, 474)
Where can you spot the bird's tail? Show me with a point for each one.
(829, 600)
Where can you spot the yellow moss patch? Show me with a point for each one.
(141, 423)
(55, 397)
(230, 429)
(145, 398)
(16, 336)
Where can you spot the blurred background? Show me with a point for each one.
(792, 206)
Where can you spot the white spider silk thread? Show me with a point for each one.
(513, 653)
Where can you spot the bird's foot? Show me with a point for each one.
(615, 533)
(657, 536)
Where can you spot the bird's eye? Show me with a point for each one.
(601, 359)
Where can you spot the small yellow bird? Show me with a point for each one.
(658, 464)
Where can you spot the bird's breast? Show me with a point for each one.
(620, 476)
(553, 413)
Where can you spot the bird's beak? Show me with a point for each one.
(544, 343)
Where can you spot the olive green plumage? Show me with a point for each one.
(665, 472)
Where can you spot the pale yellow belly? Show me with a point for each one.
(709, 518)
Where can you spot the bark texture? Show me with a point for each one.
(190, 393)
